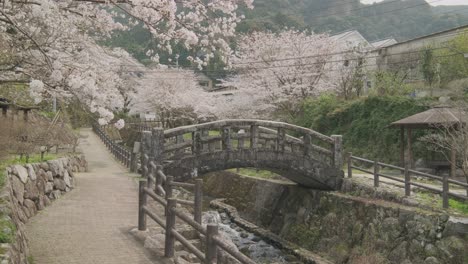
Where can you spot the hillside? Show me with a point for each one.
(392, 18)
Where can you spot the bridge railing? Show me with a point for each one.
(141, 125)
(155, 177)
(407, 180)
(126, 156)
(253, 135)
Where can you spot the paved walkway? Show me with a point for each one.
(91, 224)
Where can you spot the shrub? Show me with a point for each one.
(364, 123)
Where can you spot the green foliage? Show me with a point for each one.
(453, 64)
(78, 114)
(428, 67)
(399, 19)
(390, 83)
(7, 230)
(364, 123)
(18, 93)
(461, 207)
(304, 236)
(36, 158)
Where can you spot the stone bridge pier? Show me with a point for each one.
(297, 153)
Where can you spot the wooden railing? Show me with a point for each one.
(126, 156)
(155, 178)
(407, 180)
(255, 135)
(142, 124)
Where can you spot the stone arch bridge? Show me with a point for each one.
(297, 153)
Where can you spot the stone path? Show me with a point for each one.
(91, 224)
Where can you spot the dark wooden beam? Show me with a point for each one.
(409, 149)
(402, 146)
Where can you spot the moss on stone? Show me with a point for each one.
(303, 236)
(7, 230)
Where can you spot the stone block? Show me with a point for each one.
(49, 187)
(41, 174)
(60, 184)
(41, 202)
(18, 188)
(44, 166)
(54, 195)
(29, 208)
(56, 167)
(31, 191)
(21, 172)
(67, 179)
(50, 176)
(41, 185)
(31, 172)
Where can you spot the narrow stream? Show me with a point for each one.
(248, 243)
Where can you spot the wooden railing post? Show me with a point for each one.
(142, 200)
(170, 225)
(280, 140)
(445, 191)
(337, 151)
(179, 139)
(198, 200)
(254, 137)
(226, 138)
(376, 173)
(211, 250)
(196, 143)
(133, 157)
(157, 155)
(240, 141)
(168, 189)
(157, 145)
(307, 143)
(350, 164)
(407, 179)
(145, 151)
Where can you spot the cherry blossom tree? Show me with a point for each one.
(54, 41)
(282, 69)
(172, 92)
(349, 72)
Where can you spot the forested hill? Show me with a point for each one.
(392, 18)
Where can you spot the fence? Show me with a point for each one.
(159, 187)
(407, 180)
(141, 125)
(126, 156)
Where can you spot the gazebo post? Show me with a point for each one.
(402, 146)
(409, 149)
(25, 115)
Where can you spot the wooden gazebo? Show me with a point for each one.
(434, 118)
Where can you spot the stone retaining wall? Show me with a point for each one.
(27, 190)
(344, 228)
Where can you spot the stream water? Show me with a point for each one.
(248, 243)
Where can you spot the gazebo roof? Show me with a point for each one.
(438, 116)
